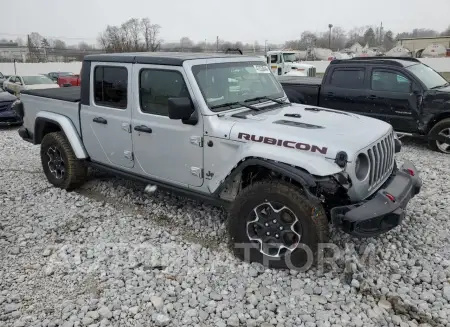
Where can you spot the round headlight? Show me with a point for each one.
(362, 166)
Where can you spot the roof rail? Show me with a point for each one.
(384, 57)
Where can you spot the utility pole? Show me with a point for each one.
(265, 47)
(217, 44)
(381, 33)
(330, 26)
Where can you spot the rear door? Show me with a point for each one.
(344, 89)
(106, 121)
(165, 149)
(390, 92)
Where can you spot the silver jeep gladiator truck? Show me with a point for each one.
(219, 127)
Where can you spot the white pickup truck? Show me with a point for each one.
(220, 128)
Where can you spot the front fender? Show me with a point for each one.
(66, 126)
(226, 155)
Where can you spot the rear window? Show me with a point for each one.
(34, 80)
(110, 86)
(348, 78)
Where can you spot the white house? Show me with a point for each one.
(10, 51)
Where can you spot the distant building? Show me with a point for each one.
(356, 47)
(11, 50)
(420, 43)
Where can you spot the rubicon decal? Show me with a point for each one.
(283, 143)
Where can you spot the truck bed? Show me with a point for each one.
(300, 89)
(71, 94)
(299, 80)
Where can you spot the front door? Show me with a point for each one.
(12, 85)
(165, 149)
(391, 94)
(274, 64)
(106, 121)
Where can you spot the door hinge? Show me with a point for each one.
(195, 171)
(197, 140)
(128, 155)
(126, 127)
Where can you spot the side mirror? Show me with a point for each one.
(416, 89)
(182, 108)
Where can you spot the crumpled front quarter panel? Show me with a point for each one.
(226, 154)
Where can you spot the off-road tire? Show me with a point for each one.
(443, 124)
(312, 217)
(75, 169)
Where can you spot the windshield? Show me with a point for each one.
(289, 57)
(427, 75)
(32, 80)
(1, 75)
(232, 82)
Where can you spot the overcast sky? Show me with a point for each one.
(245, 20)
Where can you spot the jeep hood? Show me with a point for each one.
(299, 127)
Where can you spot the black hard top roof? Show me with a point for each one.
(157, 58)
(395, 61)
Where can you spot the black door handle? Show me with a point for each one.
(143, 128)
(100, 120)
(372, 97)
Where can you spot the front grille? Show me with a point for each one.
(381, 157)
(312, 72)
(4, 106)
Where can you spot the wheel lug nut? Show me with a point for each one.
(266, 224)
(274, 221)
(277, 236)
(268, 233)
(281, 227)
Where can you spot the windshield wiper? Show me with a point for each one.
(439, 86)
(266, 98)
(231, 104)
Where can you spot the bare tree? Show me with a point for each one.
(84, 46)
(58, 44)
(34, 42)
(132, 35)
(186, 43)
(446, 32)
(20, 42)
(151, 35)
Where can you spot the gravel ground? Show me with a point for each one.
(111, 255)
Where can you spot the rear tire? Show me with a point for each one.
(302, 225)
(442, 127)
(61, 166)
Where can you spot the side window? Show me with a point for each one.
(390, 81)
(156, 87)
(110, 86)
(273, 59)
(348, 78)
(13, 79)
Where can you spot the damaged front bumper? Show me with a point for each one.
(384, 210)
(9, 118)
